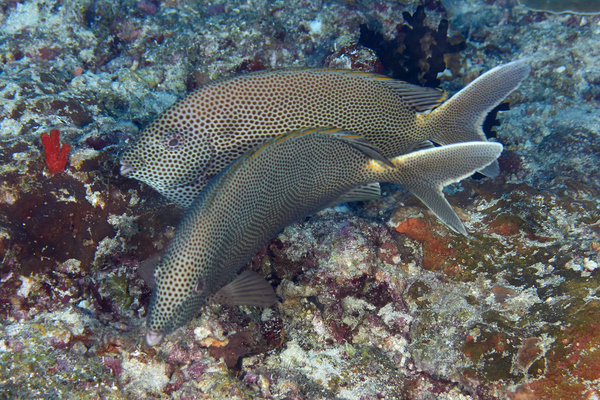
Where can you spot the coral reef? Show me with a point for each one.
(377, 299)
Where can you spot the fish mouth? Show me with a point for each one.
(153, 337)
(126, 168)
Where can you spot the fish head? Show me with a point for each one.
(180, 290)
(172, 159)
(174, 302)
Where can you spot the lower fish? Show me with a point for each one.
(276, 183)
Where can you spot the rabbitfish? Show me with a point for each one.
(195, 139)
(278, 182)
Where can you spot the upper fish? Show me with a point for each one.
(273, 185)
(190, 143)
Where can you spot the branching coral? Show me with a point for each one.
(56, 157)
(417, 55)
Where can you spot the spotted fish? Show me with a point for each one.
(195, 139)
(278, 182)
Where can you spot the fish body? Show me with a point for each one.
(277, 183)
(181, 151)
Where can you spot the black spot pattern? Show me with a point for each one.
(221, 121)
(278, 182)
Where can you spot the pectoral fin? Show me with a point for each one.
(249, 289)
(370, 191)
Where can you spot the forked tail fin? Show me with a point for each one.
(461, 118)
(424, 173)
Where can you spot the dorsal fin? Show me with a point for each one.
(357, 141)
(419, 98)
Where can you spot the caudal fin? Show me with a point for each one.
(426, 172)
(461, 118)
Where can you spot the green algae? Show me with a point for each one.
(119, 286)
(523, 240)
(542, 320)
(492, 353)
(497, 319)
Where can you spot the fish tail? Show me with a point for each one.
(424, 173)
(461, 118)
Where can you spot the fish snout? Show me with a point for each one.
(153, 337)
(126, 168)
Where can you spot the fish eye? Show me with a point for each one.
(199, 288)
(173, 141)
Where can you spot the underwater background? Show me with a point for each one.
(379, 300)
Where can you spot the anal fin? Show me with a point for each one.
(492, 170)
